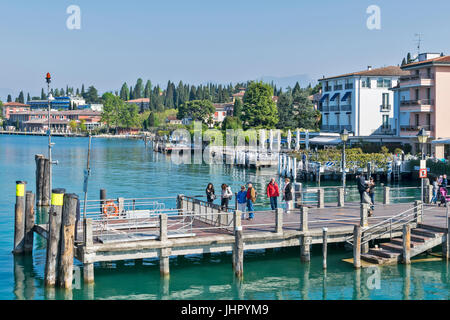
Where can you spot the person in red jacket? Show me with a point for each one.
(273, 193)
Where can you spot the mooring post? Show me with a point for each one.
(324, 247)
(303, 218)
(321, 198)
(102, 199)
(386, 195)
(446, 244)
(121, 204)
(29, 221)
(19, 223)
(428, 192)
(88, 268)
(341, 197)
(238, 253)
(364, 214)
(237, 223)
(45, 197)
(279, 221)
(406, 244)
(180, 204)
(418, 211)
(39, 159)
(69, 212)
(164, 256)
(54, 233)
(305, 248)
(297, 195)
(357, 247)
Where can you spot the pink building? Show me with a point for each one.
(14, 107)
(423, 99)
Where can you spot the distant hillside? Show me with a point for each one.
(284, 82)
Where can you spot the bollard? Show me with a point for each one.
(341, 197)
(357, 247)
(19, 223)
(102, 199)
(164, 256)
(238, 252)
(428, 193)
(364, 214)
(305, 248)
(88, 268)
(29, 221)
(304, 218)
(321, 198)
(54, 233)
(121, 205)
(406, 244)
(324, 247)
(279, 221)
(69, 212)
(386, 195)
(297, 195)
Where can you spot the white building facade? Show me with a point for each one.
(360, 102)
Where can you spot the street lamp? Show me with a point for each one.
(422, 136)
(344, 138)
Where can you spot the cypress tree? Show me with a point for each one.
(124, 92)
(9, 99)
(43, 95)
(21, 97)
(148, 89)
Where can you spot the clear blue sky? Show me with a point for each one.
(205, 40)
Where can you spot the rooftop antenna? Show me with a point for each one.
(419, 42)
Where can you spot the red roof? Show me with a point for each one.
(439, 60)
(15, 104)
(140, 100)
(386, 71)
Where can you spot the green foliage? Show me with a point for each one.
(91, 96)
(436, 168)
(200, 110)
(237, 108)
(259, 110)
(124, 92)
(231, 123)
(119, 114)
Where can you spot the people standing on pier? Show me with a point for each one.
(287, 195)
(227, 194)
(251, 199)
(435, 190)
(372, 191)
(366, 199)
(273, 193)
(210, 195)
(242, 201)
(362, 185)
(444, 182)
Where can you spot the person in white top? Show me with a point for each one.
(226, 196)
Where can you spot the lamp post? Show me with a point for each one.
(48, 79)
(344, 138)
(422, 136)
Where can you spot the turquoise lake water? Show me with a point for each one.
(126, 169)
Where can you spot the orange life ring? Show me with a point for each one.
(111, 209)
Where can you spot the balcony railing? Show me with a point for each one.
(426, 102)
(346, 107)
(416, 128)
(336, 128)
(409, 77)
(334, 108)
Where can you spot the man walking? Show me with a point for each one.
(251, 199)
(273, 193)
(242, 201)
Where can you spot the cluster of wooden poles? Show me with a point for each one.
(60, 234)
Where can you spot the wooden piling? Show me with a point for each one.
(238, 253)
(304, 218)
(54, 234)
(406, 258)
(297, 195)
(19, 222)
(29, 221)
(279, 221)
(102, 199)
(88, 268)
(386, 195)
(163, 227)
(446, 244)
(341, 197)
(164, 256)
(39, 159)
(324, 247)
(364, 215)
(69, 212)
(321, 198)
(305, 248)
(357, 247)
(45, 198)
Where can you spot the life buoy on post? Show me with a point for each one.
(111, 209)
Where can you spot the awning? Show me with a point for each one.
(441, 141)
(325, 140)
(346, 95)
(325, 96)
(334, 96)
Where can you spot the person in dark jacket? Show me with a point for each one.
(362, 185)
(210, 195)
(287, 195)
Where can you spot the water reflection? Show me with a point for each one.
(24, 275)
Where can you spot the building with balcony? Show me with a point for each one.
(421, 100)
(14, 107)
(360, 102)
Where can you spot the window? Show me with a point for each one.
(417, 119)
(365, 83)
(385, 121)
(380, 83)
(428, 119)
(385, 102)
(384, 83)
(326, 119)
(349, 119)
(429, 73)
(417, 94)
(429, 93)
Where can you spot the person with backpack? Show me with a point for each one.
(226, 196)
(251, 199)
(273, 193)
(242, 201)
(287, 195)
